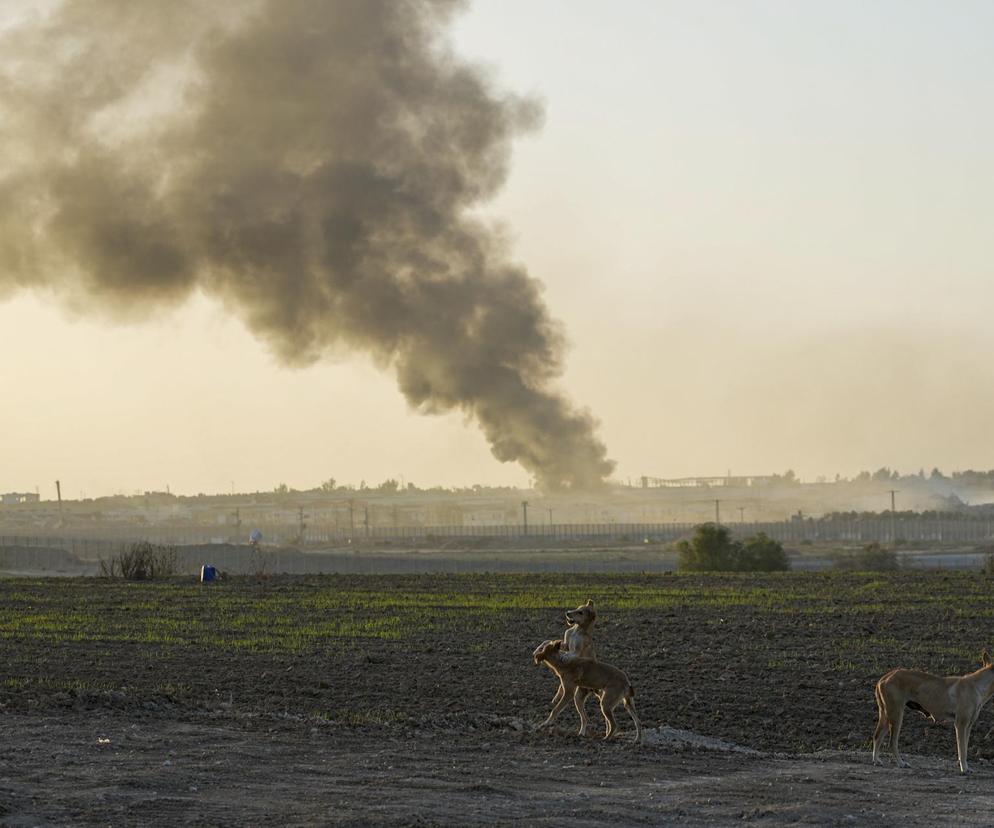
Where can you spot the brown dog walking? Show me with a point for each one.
(940, 698)
(609, 683)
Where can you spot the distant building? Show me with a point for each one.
(12, 498)
(707, 482)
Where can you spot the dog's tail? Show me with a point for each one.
(881, 706)
(883, 724)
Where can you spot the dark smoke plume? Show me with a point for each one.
(312, 163)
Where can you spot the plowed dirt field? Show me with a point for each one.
(412, 700)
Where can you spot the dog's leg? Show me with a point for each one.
(607, 705)
(556, 710)
(895, 734)
(559, 695)
(963, 726)
(580, 701)
(629, 704)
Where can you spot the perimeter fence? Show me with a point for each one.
(81, 541)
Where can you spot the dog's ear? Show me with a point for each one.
(985, 658)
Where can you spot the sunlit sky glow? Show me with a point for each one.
(765, 225)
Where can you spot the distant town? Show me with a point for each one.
(362, 509)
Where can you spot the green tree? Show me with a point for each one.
(710, 550)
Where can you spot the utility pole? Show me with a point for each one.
(717, 513)
(550, 516)
(300, 523)
(893, 535)
(351, 520)
(58, 492)
(524, 511)
(741, 514)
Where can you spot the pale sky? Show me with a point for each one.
(765, 226)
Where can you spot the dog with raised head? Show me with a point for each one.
(609, 683)
(579, 636)
(578, 640)
(940, 698)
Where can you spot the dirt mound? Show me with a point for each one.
(671, 737)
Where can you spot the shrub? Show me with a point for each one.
(142, 561)
(760, 553)
(871, 558)
(712, 549)
(263, 562)
(989, 563)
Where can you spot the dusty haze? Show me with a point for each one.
(765, 226)
(312, 165)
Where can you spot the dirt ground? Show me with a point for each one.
(108, 769)
(749, 719)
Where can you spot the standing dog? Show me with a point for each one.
(578, 640)
(940, 698)
(609, 683)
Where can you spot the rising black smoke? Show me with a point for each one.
(312, 163)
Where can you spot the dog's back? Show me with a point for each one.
(595, 675)
(927, 693)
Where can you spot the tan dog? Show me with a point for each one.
(940, 698)
(609, 683)
(578, 640)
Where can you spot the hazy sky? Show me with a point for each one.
(765, 225)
